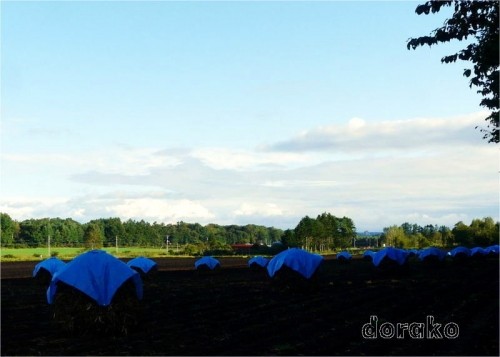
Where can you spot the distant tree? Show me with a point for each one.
(289, 239)
(304, 231)
(395, 237)
(92, 237)
(484, 231)
(347, 232)
(462, 234)
(275, 234)
(479, 20)
(9, 230)
(113, 229)
(446, 236)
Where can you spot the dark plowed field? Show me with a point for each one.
(236, 311)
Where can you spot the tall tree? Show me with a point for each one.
(92, 237)
(479, 20)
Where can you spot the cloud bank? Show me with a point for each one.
(379, 173)
(359, 135)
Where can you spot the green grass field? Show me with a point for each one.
(64, 253)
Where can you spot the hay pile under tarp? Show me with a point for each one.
(96, 293)
(478, 252)
(79, 314)
(145, 265)
(344, 256)
(390, 257)
(459, 252)
(296, 259)
(96, 274)
(258, 262)
(413, 252)
(51, 265)
(207, 263)
(368, 255)
(432, 254)
(493, 249)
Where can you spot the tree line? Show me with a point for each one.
(108, 232)
(324, 233)
(480, 232)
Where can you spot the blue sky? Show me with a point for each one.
(237, 112)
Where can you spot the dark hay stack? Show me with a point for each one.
(256, 267)
(343, 260)
(390, 267)
(257, 272)
(205, 269)
(78, 314)
(43, 277)
(289, 279)
(149, 276)
(432, 261)
(460, 257)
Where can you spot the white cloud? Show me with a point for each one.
(153, 209)
(359, 135)
(300, 183)
(224, 158)
(252, 209)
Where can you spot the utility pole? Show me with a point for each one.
(167, 243)
(116, 244)
(48, 240)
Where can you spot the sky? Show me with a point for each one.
(238, 112)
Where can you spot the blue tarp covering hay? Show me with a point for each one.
(396, 255)
(260, 261)
(368, 255)
(432, 253)
(142, 263)
(413, 252)
(51, 265)
(344, 256)
(299, 260)
(477, 251)
(460, 252)
(98, 275)
(207, 262)
(493, 249)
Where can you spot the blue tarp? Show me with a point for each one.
(493, 249)
(413, 252)
(368, 254)
(52, 265)
(145, 264)
(460, 251)
(478, 251)
(398, 255)
(96, 274)
(260, 261)
(432, 252)
(344, 255)
(210, 262)
(299, 260)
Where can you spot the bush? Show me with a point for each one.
(54, 254)
(192, 249)
(9, 256)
